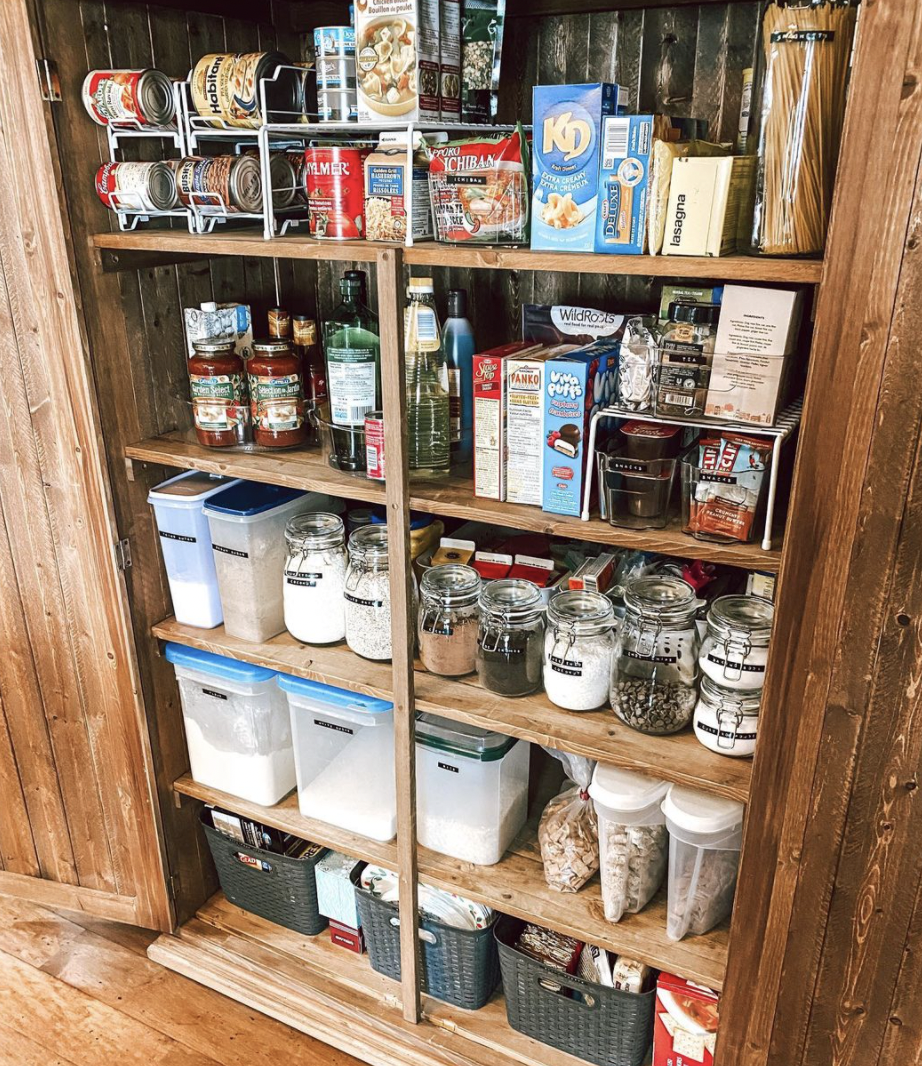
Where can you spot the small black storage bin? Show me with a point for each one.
(602, 1025)
(459, 966)
(276, 887)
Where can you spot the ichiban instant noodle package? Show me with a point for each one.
(397, 59)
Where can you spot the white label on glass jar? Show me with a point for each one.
(364, 603)
(231, 551)
(351, 381)
(651, 658)
(724, 733)
(566, 666)
(294, 577)
(746, 668)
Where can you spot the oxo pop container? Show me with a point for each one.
(247, 523)
(186, 545)
(237, 726)
(471, 789)
(344, 755)
(705, 837)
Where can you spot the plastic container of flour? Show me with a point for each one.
(238, 730)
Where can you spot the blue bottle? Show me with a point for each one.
(458, 342)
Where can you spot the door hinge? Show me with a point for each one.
(48, 80)
(122, 551)
(172, 886)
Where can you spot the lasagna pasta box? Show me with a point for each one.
(684, 1023)
(576, 386)
(397, 60)
(567, 129)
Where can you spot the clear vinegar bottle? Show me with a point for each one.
(428, 401)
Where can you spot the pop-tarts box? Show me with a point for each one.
(575, 386)
(625, 172)
(565, 163)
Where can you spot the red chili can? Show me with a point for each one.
(374, 445)
(335, 182)
(144, 97)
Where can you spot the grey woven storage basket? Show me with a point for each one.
(279, 888)
(602, 1025)
(459, 966)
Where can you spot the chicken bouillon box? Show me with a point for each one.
(685, 1023)
(397, 59)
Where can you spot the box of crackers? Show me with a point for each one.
(685, 1023)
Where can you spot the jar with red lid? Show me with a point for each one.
(218, 386)
(276, 394)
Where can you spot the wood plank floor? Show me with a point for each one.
(77, 991)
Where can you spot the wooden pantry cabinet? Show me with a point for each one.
(97, 811)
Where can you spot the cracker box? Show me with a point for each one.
(567, 129)
(397, 60)
(684, 1024)
(576, 385)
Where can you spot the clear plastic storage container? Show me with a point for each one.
(237, 726)
(633, 842)
(248, 536)
(705, 837)
(471, 789)
(186, 545)
(344, 754)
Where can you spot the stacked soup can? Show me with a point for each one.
(334, 49)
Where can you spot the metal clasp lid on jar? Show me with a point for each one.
(730, 709)
(448, 588)
(578, 613)
(509, 603)
(739, 624)
(655, 603)
(367, 553)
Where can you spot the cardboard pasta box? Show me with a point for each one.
(684, 1023)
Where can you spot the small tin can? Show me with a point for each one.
(133, 97)
(374, 445)
(335, 72)
(334, 41)
(337, 105)
(226, 89)
(296, 158)
(279, 323)
(231, 182)
(136, 186)
(335, 183)
(285, 179)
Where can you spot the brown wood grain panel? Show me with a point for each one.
(17, 847)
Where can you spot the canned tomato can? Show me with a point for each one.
(144, 97)
(136, 186)
(335, 182)
(374, 445)
(232, 182)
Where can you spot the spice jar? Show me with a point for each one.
(315, 575)
(735, 648)
(368, 594)
(276, 394)
(510, 648)
(686, 353)
(727, 721)
(578, 649)
(449, 620)
(218, 385)
(655, 673)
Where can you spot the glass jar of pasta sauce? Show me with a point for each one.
(218, 387)
(276, 394)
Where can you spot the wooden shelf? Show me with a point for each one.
(451, 497)
(596, 734)
(249, 242)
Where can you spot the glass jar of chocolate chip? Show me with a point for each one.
(654, 682)
(510, 641)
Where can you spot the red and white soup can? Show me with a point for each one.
(144, 97)
(334, 179)
(136, 186)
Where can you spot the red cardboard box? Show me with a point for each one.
(347, 937)
(684, 1023)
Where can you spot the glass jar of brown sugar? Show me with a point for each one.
(448, 620)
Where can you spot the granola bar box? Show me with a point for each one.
(685, 1023)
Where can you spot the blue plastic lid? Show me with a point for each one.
(217, 665)
(251, 497)
(335, 697)
(417, 520)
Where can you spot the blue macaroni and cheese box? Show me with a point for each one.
(576, 385)
(567, 128)
(626, 158)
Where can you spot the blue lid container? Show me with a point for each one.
(247, 499)
(333, 697)
(216, 665)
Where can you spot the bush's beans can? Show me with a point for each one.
(141, 96)
(374, 445)
(229, 181)
(335, 182)
(136, 186)
(225, 88)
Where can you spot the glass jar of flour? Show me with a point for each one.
(578, 648)
(315, 575)
(735, 649)
(367, 594)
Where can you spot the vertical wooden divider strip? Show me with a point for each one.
(403, 625)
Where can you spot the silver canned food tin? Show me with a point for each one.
(338, 105)
(226, 89)
(231, 182)
(335, 72)
(334, 41)
(284, 180)
(136, 186)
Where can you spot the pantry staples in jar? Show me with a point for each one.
(449, 619)
(686, 354)
(276, 394)
(510, 647)
(734, 653)
(368, 594)
(578, 649)
(218, 387)
(727, 720)
(655, 674)
(315, 578)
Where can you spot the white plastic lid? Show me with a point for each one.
(700, 812)
(624, 790)
(209, 306)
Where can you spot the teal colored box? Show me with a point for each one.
(624, 182)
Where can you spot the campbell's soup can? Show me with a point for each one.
(225, 88)
(231, 182)
(374, 445)
(335, 182)
(136, 186)
(142, 97)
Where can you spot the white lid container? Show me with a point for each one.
(237, 727)
(186, 545)
(627, 797)
(344, 756)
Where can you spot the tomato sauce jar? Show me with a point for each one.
(276, 394)
(334, 180)
(218, 385)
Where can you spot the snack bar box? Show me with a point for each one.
(576, 385)
(684, 1023)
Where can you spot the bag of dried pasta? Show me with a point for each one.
(568, 832)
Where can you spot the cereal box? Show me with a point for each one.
(397, 60)
(685, 1023)
(567, 129)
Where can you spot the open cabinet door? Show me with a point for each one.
(79, 823)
